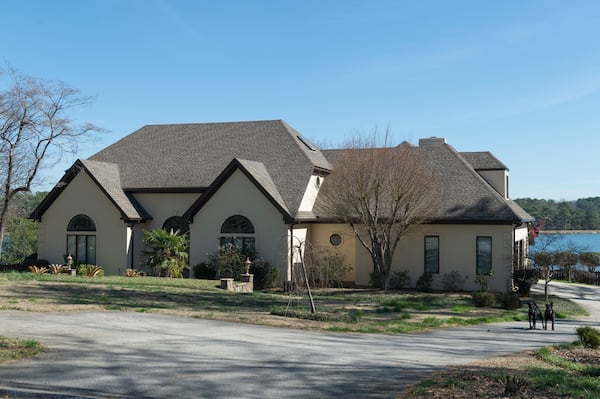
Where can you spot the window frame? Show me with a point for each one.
(427, 269)
(242, 236)
(480, 256)
(82, 240)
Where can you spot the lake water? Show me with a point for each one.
(567, 242)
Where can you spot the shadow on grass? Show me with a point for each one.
(146, 297)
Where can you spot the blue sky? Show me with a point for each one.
(518, 78)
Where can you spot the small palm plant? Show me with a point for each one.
(167, 252)
(56, 268)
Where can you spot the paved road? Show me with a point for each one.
(115, 354)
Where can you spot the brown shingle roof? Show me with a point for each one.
(464, 196)
(184, 156)
(106, 177)
(483, 160)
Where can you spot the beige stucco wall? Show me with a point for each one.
(82, 196)
(498, 179)
(160, 206)
(457, 252)
(238, 196)
(319, 236)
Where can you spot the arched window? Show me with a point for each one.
(176, 223)
(239, 231)
(81, 223)
(81, 240)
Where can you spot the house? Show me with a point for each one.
(256, 184)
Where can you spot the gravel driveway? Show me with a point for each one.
(119, 354)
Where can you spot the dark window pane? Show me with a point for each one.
(237, 224)
(72, 245)
(81, 250)
(432, 254)
(81, 223)
(91, 250)
(484, 255)
(176, 223)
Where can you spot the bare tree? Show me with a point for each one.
(380, 193)
(36, 131)
(544, 261)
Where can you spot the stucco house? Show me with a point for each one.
(257, 184)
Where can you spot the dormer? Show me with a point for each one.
(494, 172)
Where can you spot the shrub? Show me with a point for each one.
(167, 252)
(205, 270)
(325, 268)
(375, 280)
(589, 337)
(483, 299)
(424, 282)
(453, 281)
(510, 301)
(265, 275)
(400, 279)
(228, 262)
(90, 270)
(524, 279)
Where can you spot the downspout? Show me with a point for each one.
(131, 244)
(290, 276)
(510, 283)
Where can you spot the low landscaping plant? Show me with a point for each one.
(55, 268)
(509, 300)
(167, 252)
(325, 268)
(205, 270)
(265, 274)
(228, 261)
(132, 273)
(424, 282)
(90, 270)
(453, 281)
(589, 337)
(38, 269)
(400, 279)
(483, 299)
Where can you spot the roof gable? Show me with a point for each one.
(171, 157)
(258, 176)
(106, 177)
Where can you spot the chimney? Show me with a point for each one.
(432, 142)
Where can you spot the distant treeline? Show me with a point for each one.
(583, 214)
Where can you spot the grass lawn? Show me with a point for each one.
(564, 371)
(341, 310)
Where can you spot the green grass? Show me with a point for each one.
(12, 349)
(558, 374)
(568, 378)
(352, 310)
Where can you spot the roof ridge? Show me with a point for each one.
(213, 123)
